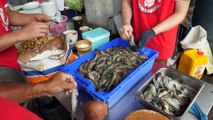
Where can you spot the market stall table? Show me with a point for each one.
(129, 103)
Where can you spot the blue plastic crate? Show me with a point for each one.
(124, 86)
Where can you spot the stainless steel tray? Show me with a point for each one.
(189, 81)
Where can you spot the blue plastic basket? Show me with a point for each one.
(124, 86)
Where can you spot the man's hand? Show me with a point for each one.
(42, 18)
(33, 30)
(60, 82)
(126, 31)
(145, 37)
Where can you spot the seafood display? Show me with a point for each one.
(110, 66)
(167, 94)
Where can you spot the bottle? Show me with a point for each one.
(193, 62)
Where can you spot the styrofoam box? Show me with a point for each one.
(124, 86)
(98, 37)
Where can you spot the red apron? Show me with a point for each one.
(9, 56)
(147, 14)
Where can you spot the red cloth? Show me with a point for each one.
(10, 110)
(9, 56)
(4, 2)
(147, 14)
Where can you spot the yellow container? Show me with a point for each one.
(193, 62)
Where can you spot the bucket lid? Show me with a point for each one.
(96, 34)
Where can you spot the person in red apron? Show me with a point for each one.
(154, 22)
(34, 27)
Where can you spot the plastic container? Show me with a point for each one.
(98, 37)
(193, 62)
(111, 97)
(58, 28)
(69, 13)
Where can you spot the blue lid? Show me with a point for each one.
(95, 34)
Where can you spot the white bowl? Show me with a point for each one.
(49, 8)
(31, 5)
(71, 36)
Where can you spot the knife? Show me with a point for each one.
(133, 45)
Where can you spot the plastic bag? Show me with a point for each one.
(196, 110)
(197, 39)
(42, 63)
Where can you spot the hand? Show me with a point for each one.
(94, 110)
(145, 37)
(126, 31)
(60, 82)
(33, 30)
(42, 18)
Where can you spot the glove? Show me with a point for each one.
(145, 37)
(195, 109)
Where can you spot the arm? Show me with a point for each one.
(8, 40)
(31, 31)
(126, 29)
(181, 8)
(36, 28)
(24, 92)
(126, 12)
(20, 19)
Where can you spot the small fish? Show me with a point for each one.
(74, 103)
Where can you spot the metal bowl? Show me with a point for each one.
(189, 81)
(83, 46)
(145, 114)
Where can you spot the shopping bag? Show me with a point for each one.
(41, 64)
(197, 39)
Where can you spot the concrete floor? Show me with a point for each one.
(209, 79)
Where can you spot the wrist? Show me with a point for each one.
(34, 16)
(32, 91)
(40, 90)
(152, 32)
(154, 29)
(19, 35)
(126, 23)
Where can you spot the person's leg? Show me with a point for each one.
(10, 75)
(48, 108)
